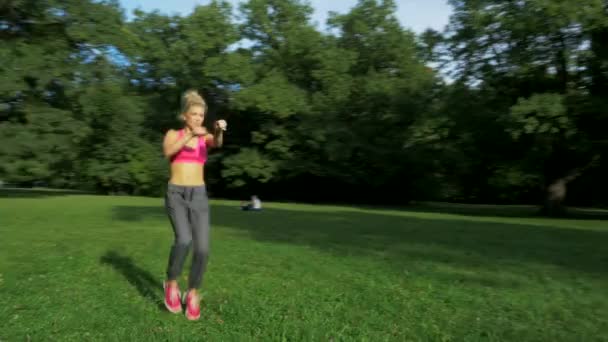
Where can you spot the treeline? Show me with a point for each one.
(360, 113)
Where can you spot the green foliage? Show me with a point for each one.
(537, 66)
(273, 95)
(541, 114)
(42, 148)
(248, 165)
(117, 158)
(86, 97)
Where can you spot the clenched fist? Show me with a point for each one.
(221, 124)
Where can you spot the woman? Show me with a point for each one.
(186, 201)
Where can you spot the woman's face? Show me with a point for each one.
(194, 117)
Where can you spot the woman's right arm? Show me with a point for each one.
(172, 145)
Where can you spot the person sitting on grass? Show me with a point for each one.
(254, 205)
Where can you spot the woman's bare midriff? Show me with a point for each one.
(187, 174)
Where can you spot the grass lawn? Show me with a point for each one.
(80, 268)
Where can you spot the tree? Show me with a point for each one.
(46, 52)
(530, 57)
(275, 102)
(178, 53)
(382, 93)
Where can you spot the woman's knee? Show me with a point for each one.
(183, 241)
(201, 251)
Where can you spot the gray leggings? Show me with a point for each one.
(188, 210)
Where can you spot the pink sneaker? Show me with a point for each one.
(172, 298)
(193, 308)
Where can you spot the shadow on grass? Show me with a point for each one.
(405, 238)
(36, 192)
(481, 210)
(136, 213)
(148, 287)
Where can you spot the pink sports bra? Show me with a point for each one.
(192, 155)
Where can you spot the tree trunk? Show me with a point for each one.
(556, 191)
(555, 196)
(562, 63)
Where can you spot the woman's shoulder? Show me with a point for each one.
(171, 135)
(172, 131)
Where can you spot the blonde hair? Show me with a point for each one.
(192, 98)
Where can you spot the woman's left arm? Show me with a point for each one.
(218, 136)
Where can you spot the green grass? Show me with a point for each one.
(81, 268)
